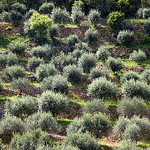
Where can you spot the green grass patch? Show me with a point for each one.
(111, 104)
(129, 63)
(71, 25)
(35, 84)
(136, 20)
(144, 145)
(64, 122)
(4, 98)
(80, 103)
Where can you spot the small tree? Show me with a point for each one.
(146, 76)
(46, 8)
(147, 27)
(30, 13)
(53, 31)
(19, 7)
(12, 59)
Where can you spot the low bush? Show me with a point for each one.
(17, 47)
(130, 75)
(53, 102)
(125, 37)
(33, 63)
(71, 40)
(59, 16)
(146, 76)
(82, 46)
(146, 13)
(77, 15)
(139, 89)
(95, 17)
(147, 27)
(138, 56)
(129, 107)
(115, 19)
(46, 8)
(91, 35)
(44, 121)
(140, 13)
(46, 52)
(96, 124)
(53, 31)
(86, 62)
(19, 7)
(82, 141)
(12, 59)
(125, 25)
(65, 147)
(1, 7)
(72, 73)
(102, 53)
(14, 72)
(21, 107)
(115, 64)
(21, 84)
(29, 13)
(95, 106)
(45, 70)
(1, 86)
(3, 61)
(6, 16)
(77, 53)
(102, 88)
(29, 140)
(96, 73)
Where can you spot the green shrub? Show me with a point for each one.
(96, 124)
(1, 86)
(146, 76)
(29, 13)
(91, 35)
(65, 147)
(9, 125)
(59, 16)
(86, 62)
(96, 73)
(130, 75)
(33, 63)
(56, 83)
(46, 8)
(12, 59)
(139, 89)
(21, 107)
(3, 61)
(17, 47)
(102, 88)
(16, 17)
(82, 141)
(140, 13)
(53, 31)
(95, 106)
(125, 37)
(72, 73)
(71, 40)
(46, 52)
(102, 53)
(53, 102)
(125, 25)
(1, 145)
(21, 84)
(6, 16)
(146, 13)
(138, 56)
(29, 140)
(147, 27)
(115, 19)
(77, 53)
(14, 72)
(1, 7)
(82, 46)
(42, 120)
(45, 70)
(129, 107)
(19, 7)
(95, 17)
(115, 64)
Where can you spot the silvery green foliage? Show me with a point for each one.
(95, 106)
(77, 53)
(46, 8)
(12, 59)
(56, 84)
(102, 88)
(72, 73)
(45, 70)
(21, 84)
(53, 102)
(6, 16)
(43, 147)
(91, 35)
(95, 17)
(59, 16)
(1, 86)
(125, 37)
(10, 124)
(97, 125)
(71, 40)
(146, 13)
(102, 53)
(17, 47)
(82, 46)
(53, 31)
(21, 107)
(147, 27)
(129, 107)
(77, 15)
(65, 147)
(125, 25)
(140, 13)
(46, 52)
(3, 61)
(1, 145)
(1, 7)
(130, 75)
(146, 76)
(43, 120)
(98, 72)
(29, 140)
(14, 72)
(33, 63)
(82, 141)
(21, 8)
(137, 88)
(86, 62)
(114, 64)
(29, 13)
(15, 17)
